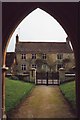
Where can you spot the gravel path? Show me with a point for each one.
(43, 102)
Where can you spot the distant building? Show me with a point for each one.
(44, 56)
(11, 62)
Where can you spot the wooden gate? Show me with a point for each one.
(47, 78)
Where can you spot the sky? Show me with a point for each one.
(38, 26)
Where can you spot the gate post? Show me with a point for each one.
(33, 75)
(61, 75)
(47, 78)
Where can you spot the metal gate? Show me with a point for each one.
(47, 78)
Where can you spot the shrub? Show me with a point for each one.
(13, 77)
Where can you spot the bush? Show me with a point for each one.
(25, 78)
(13, 77)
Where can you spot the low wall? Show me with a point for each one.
(68, 78)
(24, 77)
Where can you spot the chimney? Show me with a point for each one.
(17, 38)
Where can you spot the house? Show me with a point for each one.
(43, 56)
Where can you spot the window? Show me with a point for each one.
(44, 56)
(23, 67)
(59, 56)
(34, 66)
(33, 56)
(23, 56)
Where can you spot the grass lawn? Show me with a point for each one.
(15, 92)
(68, 89)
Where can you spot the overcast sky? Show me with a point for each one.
(38, 26)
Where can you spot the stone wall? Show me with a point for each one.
(49, 64)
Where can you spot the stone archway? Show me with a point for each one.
(65, 13)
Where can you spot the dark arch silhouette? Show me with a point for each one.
(65, 13)
(26, 8)
(31, 14)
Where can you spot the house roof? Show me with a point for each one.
(10, 56)
(56, 47)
